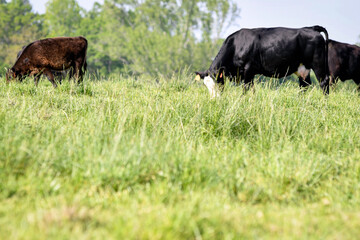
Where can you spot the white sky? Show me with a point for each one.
(340, 17)
(39, 5)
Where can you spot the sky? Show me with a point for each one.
(39, 5)
(341, 18)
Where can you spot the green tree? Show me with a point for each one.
(18, 27)
(92, 28)
(159, 36)
(63, 17)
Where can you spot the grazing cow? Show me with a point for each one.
(270, 52)
(52, 54)
(344, 62)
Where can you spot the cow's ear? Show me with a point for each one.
(197, 78)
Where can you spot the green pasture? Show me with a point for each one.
(128, 158)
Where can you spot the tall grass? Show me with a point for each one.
(126, 158)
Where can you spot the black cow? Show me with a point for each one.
(344, 62)
(48, 55)
(271, 52)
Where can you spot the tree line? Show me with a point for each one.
(134, 37)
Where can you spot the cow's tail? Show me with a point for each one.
(85, 63)
(321, 29)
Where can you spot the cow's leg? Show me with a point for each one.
(319, 68)
(304, 83)
(323, 79)
(36, 75)
(60, 78)
(248, 84)
(72, 72)
(36, 79)
(78, 71)
(50, 76)
(238, 76)
(21, 78)
(83, 67)
(248, 79)
(333, 82)
(304, 77)
(325, 84)
(63, 74)
(357, 81)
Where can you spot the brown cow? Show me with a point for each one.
(344, 62)
(51, 54)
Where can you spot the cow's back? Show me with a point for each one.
(55, 53)
(281, 50)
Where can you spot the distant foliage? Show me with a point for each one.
(63, 17)
(131, 37)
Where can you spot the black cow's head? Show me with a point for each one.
(201, 75)
(217, 75)
(210, 78)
